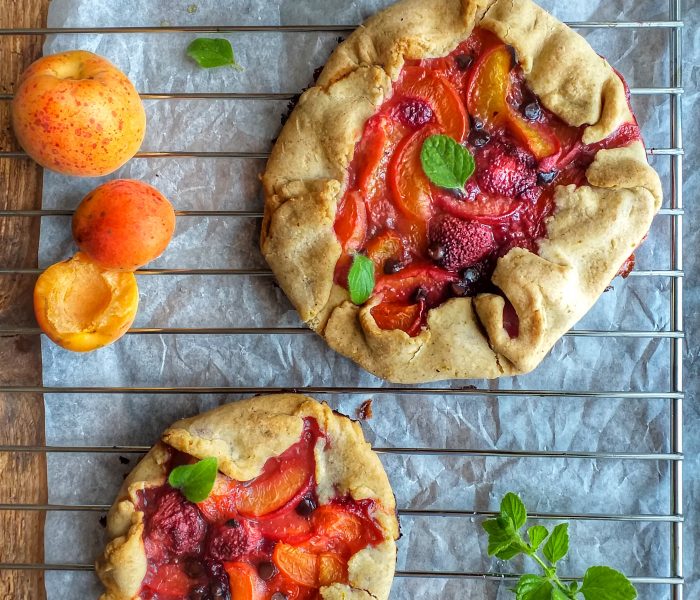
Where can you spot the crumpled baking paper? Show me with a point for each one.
(284, 62)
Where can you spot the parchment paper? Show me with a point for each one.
(276, 62)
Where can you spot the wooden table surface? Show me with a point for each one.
(22, 475)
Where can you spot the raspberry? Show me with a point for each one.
(507, 171)
(458, 243)
(414, 113)
(176, 526)
(231, 541)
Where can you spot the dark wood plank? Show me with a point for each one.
(22, 475)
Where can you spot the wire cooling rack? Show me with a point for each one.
(673, 394)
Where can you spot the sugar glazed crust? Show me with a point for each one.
(593, 230)
(243, 436)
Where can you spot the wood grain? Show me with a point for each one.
(22, 475)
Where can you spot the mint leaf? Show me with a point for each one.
(533, 587)
(557, 594)
(512, 508)
(558, 543)
(501, 536)
(361, 279)
(446, 163)
(509, 552)
(537, 534)
(604, 583)
(196, 481)
(209, 53)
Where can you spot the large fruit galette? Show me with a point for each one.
(462, 183)
(272, 498)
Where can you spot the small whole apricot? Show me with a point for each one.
(76, 113)
(82, 307)
(123, 224)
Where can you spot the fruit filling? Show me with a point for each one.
(430, 243)
(264, 539)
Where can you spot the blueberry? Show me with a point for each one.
(266, 570)
(199, 593)
(471, 274)
(220, 591)
(436, 251)
(464, 61)
(392, 266)
(306, 507)
(544, 178)
(477, 123)
(532, 111)
(478, 138)
(278, 596)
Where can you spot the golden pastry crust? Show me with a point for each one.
(592, 232)
(243, 436)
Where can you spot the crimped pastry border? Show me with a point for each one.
(243, 435)
(592, 232)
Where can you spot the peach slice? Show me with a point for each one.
(81, 306)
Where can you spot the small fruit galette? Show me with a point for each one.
(459, 187)
(273, 498)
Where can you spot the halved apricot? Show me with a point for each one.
(81, 306)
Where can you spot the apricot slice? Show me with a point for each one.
(275, 488)
(487, 101)
(123, 224)
(331, 569)
(407, 181)
(298, 564)
(244, 581)
(351, 222)
(288, 527)
(387, 245)
(81, 306)
(442, 97)
(395, 315)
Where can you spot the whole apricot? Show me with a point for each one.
(76, 113)
(81, 306)
(123, 224)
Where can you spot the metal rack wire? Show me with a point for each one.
(674, 394)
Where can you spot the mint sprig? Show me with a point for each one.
(506, 542)
(212, 52)
(361, 279)
(446, 163)
(196, 481)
